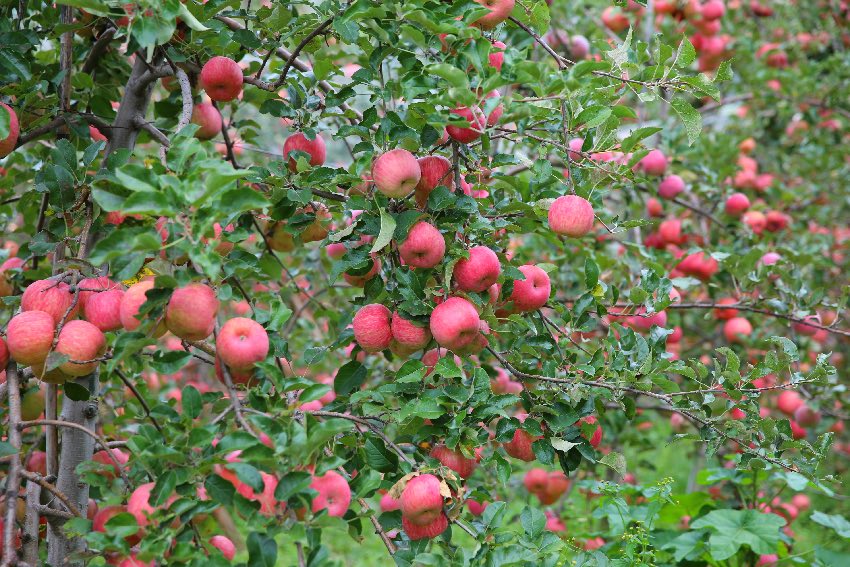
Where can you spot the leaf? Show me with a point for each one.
(387, 230)
(291, 484)
(454, 76)
(593, 116)
(93, 6)
(349, 378)
(687, 53)
(262, 550)
(164, 488)
(562, 445)
(379, 457)
(75, 391)
(616, 461)
(189, 19)
(733, 528)
(533, 521)
(6, 449)
(690, 117)
(835, 522)
(5, 121)
(591, 273)
(191, 401)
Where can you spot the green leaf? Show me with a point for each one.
(687, 53)
(191, 401)
(533, 521)
(593, 116)
(164, 487)
(92, 6)
(591, 273)
(349, 378)
(733, 528)
(262, 550)
(385, 236)
(75, 391)
(5, 121)
(835, 522)
(454, 76)
(190, 20)
(291, 484)
(379, 457)
(616, 461)
(690, 117)
(6, 449)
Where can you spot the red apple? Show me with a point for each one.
(478, 272)
(80, 340)
(208, 118)
(455, 323)
(737, 329)
(788, 402)
(8, 143)
(424, 246)
(454, 460)
(737, 204)
(221, 78)
(671, 186)
(435, 171)
(241, 343)
(224, 545)
(571, 215)
(315, 148)
(51, 297)
(334, 494)
(191, 312)
(422, 508)
(476, 120)
(29, 337)
(396, 173)
(500, 10)
(532, 293)
(408, 336)
(654, 163)
(372, 326)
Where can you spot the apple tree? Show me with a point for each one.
(482, 282)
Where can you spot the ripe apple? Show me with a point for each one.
(806, 416)
(435, 171)
(29, 337)
(496, 108)
(139, 504)
(571, 215)
(134, 561)
(476, 508)
(496, 57)
(801, 501)
(134, 298)
(532, 293)
(788, 402)
(191, 312)
(37, 461)
(614, 19)
(103, 458)
(8, 143)
(224, 545)
(454, 460)
(334, 494)
(478, 272)
(520, 446)
(737, 204)
(315, 148)
(4, 354)
(654, 207)
(103, 309)
(208, 118)
(408, 336)
(737, 329)
(670, 187)
(49, 296)
(361, 279)
(105, 514)
(241, 343)
(280, 240)
(535, 480)
(654, 163)
(396, 173)
(556, 485)
(725, 314)
(422, 507)
(466, 134)
(803, 327)
(221, 78)
(579, 47)
(80, 340)
(424, 246)
(500, 10)
(372, 326)
(455, 323)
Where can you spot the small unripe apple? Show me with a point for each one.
(51, 297)
(32, 404)
(8, 143)
(29, 337)
(242, 343)
(315, 148)
(478, 272)
(571, 215)
(424, 246)
(334, 494)
(532, 293)
(221, 78)
(466, 134)
(455, 323)
(500, 10)
(372, 326)
(737, 329)
(191, 312)
(435, 171)
(208, 118)
(737, 204)
(671, 186)
(80, 340)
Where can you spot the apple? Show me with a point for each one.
(221, 78)
(724, 314)
(103, 309)
(496, 108)
(422, 508)
(776, 221)
(388, 503)
(788, 402)
(654, 208)
(435, 171)
(32, 404)
(670, 187)
(476, 508)
(496, 58)
(103, 458)
(396, 173)
(466, 134)
(670, 231)
(571, 215)
(535, 480)
(224, 545)
(700, 265)
(520, 446)
(334, 494)
(713, 10)
(532, 293)
(191, 312)
(50, 296)
(455, 323)
(424, 246)
(280, 240)
(208, 118)
(804, 328)
(134, 298)
(372, 326)
(29, 336)
(134, 561)
(500, 10)
(80, 340)
(768, 560)
(408, 336)
(654, 163)
(4, 355)
(797, 431)
(554, 523)
(478, 272)
(454, 460)
(315, 148)
(614, 19)
(579, 47)
(801, 501)
(8, 143)
(105, 514)
(737, 204)
(139, 504)
(6, 288)
(737, 329)
(806, 416)
(37, 461)
(241, 343)
(769, 259)
(556, 485)
(360, 280)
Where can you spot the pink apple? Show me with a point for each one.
(496, 113)
(466, 134)
(671, 186)
(80, 340)
(571, 215)
(408, 336)
(396, 173)
(334, 494)
(242, 343)
(139, 504)
(737, 329)
(50, 296)
(208, 118)
(191, 312)
(421, 500)
(614, 19)
(221, 78)
(806, 416)
(29, 337)
(103, 309)
(579, 47)
(455, 323)
(134, 298)
(532, 293)
(788, 402)
(8, 143)
(479, 271)
(737, 204)
(424, 246)
(654, 163)
(315, 148)
(373, 327)
(500, 10)
(497, 55)
(103, 458)
(224, 545)
(435, 171)
(454, 460)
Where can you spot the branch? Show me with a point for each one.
(186, 95)
(294, 55)
(13, 477)
(40, 480)
(98, 49)
(142, 401)
(148, 127)
(30, 539)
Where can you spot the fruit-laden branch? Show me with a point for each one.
(13, 476)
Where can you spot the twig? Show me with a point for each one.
(301, 45)
(299, 549)
(98, 49)
(41, 481)
(141, 399)
(372, 428)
